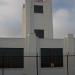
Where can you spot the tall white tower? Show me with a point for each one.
(37, 18)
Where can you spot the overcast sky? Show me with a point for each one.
(10, 17)
(63, 17)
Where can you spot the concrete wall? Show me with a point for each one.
(29, 45)
(69, 49)
(12, 42)
(56, 43)
(32, 21)
(44, 20)
(30, 62)
(30, 49)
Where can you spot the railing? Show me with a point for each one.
(16, 62)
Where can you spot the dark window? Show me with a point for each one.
(51, 57)
(38, 1)
(38, 9)
(39, 33)
(11, 58)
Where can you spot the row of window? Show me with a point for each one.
(14, 57)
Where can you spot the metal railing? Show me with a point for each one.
(18, 62)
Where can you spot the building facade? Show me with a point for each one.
(37, 53)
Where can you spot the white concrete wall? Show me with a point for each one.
(23, 21)
(69, 44)
(30, 49)
(29, 45)
(32, 45)
(27, 18)
(31, 20)
(55, 43)
(69, 49)
(30, 62)
(12, 42)
(44, 20)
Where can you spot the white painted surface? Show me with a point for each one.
(12, 42)
(30, 49)
(32, 21)
(32, 45)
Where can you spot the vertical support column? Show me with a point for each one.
(68, 51)
(27, 18)
(23, 20)
(67, 65)
(30, 43)
(3, 65)
(48, 19)
(38, 55)
(30, 52)
(37, 63)
(3, 71)
(69, 44)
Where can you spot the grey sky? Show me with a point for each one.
(10, 17)
(63, 17)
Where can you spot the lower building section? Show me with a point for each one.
(34, 56)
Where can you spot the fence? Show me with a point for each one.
(16, 62)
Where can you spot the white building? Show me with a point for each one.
(43, 55)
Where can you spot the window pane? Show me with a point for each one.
(39, 33)
(38, 9)
(11, 58)
(51, 57)
(38, 0)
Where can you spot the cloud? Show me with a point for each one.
(10, 18)
(63, 22)
(63, 17)
(63, 4)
